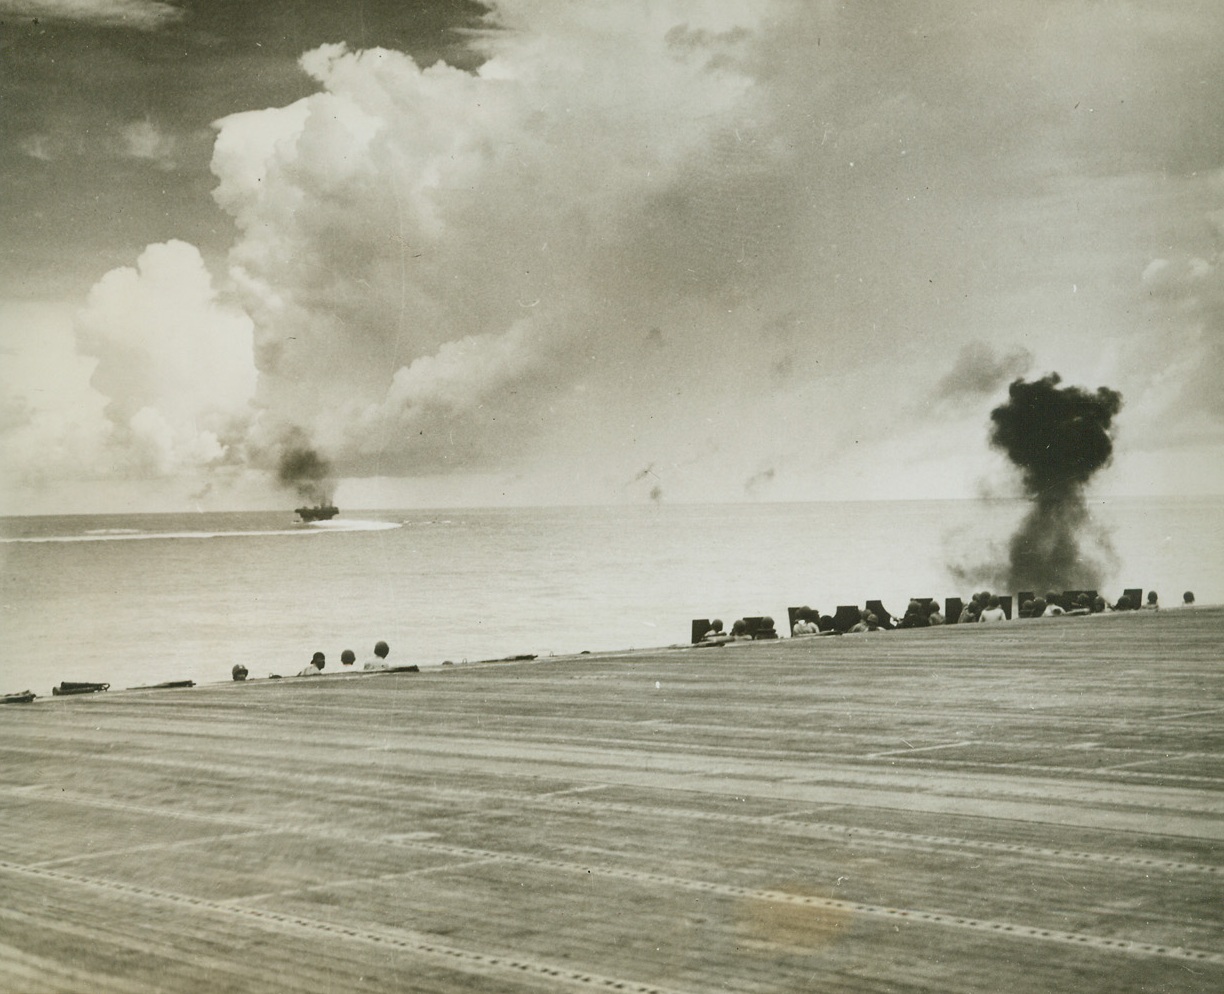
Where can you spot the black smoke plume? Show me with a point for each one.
(1058, 437)
(306, 472)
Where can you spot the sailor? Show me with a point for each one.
(317, 662)
(379, 662)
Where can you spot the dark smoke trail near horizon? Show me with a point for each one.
(308, 473)
(1058, 437)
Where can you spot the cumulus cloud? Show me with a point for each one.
(173, 362)
(433, 257)
(52, 426)
(436, 267)
(705, 236)
(143, 15)
(452, 270)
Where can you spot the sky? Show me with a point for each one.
(541, 252)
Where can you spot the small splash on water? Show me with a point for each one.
(348, 525)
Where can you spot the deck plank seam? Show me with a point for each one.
(829, 829)
(465, 960)
(38, 973)
(250, 899)
(1105, 775)
(779, 819)
(122, 935)
(150, 847)
(990, 783)
(731, 890)
(418, 942)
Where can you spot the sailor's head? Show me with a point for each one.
(348, 657)
(381, 649)
(319, 660)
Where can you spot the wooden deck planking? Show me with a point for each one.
(1034, 806)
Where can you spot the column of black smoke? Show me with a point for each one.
(307, 472)
(1058, 437)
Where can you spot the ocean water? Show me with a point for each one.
(140, 599)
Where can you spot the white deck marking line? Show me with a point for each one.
(1186, 714)
(152, 847)
(583, 789)
(1066, 775)
(424, 871)
(418, 942)
(1142, 762)
(464, 960)
(778, 819)
(936, 918)
(930, 748)
(789, 820)
(1064, 772)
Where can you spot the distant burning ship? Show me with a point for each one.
(320, 512)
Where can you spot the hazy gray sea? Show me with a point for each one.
(141, 599)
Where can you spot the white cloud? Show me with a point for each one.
(38, 147)
(1179, 399)
(144, 15)
(423, 248)
(722, 239)
(145, 140)
(153, 377)
(142, 140)
(460, 270)
(53, 427)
